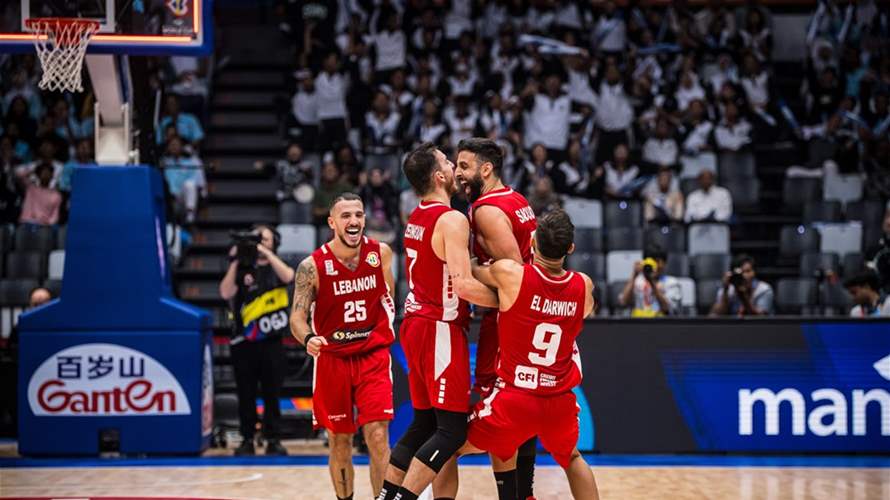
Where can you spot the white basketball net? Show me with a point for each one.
(61, 44)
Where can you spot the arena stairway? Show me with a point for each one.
(242, 129)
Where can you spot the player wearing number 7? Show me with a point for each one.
(542, 307)
(344, 287)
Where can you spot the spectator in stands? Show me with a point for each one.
(734, 132)
(614, 114)
(388, 40)
(570, 178)
(755, 35)
(825, 93)
(332, 184)
(42, 199)
(382, 133)
(663, 199)
(185, 179)
(83, 156)
(709, 203)
(291, 172)
(381, 206)
(536, 166)
(10, 197)
(46, 154)
(543, 199)
(431, 127)
(864, 289)
(696, 129)
(548, 115)
(331, 86)
(304, 111)
(188, 127)
(742, 294)
(38, 297)
(650, 292)
(61, 121)
(609, 34)
(408, 201)
(620, 173)
(23, 88)
(19, 115)
(661, 149)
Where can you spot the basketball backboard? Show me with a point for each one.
(136, 27)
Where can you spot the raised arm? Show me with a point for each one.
(454, 229)
(497, 233)
(305, 289)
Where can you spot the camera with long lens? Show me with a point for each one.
(649, 267)
(246, 242)
(737, 279)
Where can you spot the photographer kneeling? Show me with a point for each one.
(256, 287)
(742, 293)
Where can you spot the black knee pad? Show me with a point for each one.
(450, 435)
(422, 427)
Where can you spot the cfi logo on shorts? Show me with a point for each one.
(373, 259)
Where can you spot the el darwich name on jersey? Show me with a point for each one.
(554, 307)
(363, 284)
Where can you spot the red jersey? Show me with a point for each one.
(537, 334)
(521, 216)
(352, 309)
(431, 294)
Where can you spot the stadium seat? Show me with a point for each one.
(584, 212)
(811, 262)
(6, 239)
(834, 299)
(745, 193)
(677, 265)
(688, 185)
(706, 294)
(841, 238)
(30, 238)
(588, 239)
(615, 306)
(670, 238)
(61, 237)
(795, 295)
(710, 266)
(708, 238)
(14, 297)
(736, 165)
(870, 213)
(821, 211)
(30, 265)
(591, 264)
(687, 296)
(291, 212)
(56, 264)
(624, 238)
(620, 264)
(852, 264)
(796, 240)
(693, 165)
(623, 214)
(843, 188)
(296, 238)
(796, 191)
(54, 286)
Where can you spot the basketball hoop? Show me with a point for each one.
(61, 43)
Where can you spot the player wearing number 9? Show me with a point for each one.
(542, 307)
(344, 290)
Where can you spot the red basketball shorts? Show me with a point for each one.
(509, 417)
(438, 364)
(340, 384)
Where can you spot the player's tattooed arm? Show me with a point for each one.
(305, 287)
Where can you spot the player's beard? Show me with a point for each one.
(342, 236)
(473, 187)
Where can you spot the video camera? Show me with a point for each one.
(649, 267)
(246, 242)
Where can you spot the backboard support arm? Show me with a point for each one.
(110, 76)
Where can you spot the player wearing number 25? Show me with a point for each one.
(343, 290)
(542, 307)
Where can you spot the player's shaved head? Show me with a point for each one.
(555, 234)
(347, 196)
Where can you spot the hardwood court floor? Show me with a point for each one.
(311, 482)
